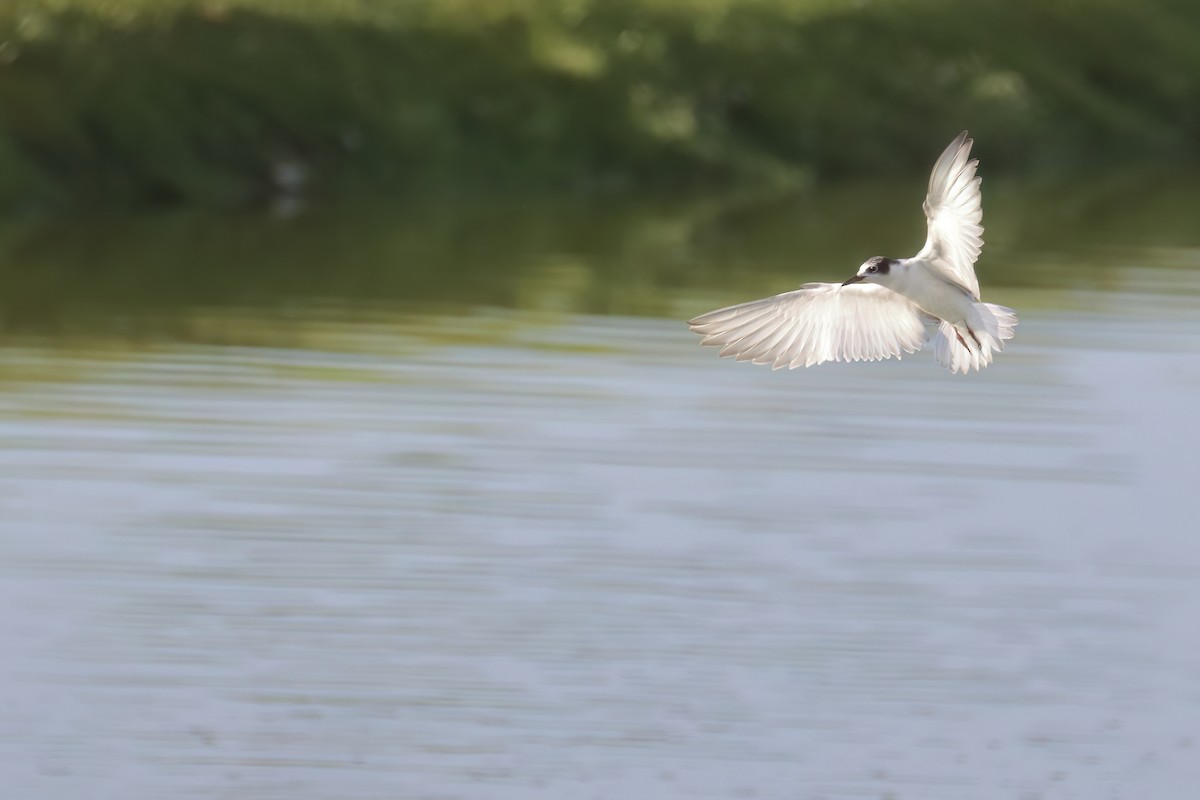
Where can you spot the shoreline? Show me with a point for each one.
(224, 105)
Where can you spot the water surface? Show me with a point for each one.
(450, 504)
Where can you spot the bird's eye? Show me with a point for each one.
(872, 268)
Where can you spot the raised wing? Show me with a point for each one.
(954, 210)
(818, 322)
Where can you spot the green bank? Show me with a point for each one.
(136, 103)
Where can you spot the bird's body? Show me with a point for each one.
(881, 311)
(930, 292)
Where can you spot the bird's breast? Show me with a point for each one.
(934, 295)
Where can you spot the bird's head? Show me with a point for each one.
(876, 269)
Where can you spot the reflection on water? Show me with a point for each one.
(478, 542)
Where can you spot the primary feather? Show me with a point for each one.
(816, 323)
(953, 211)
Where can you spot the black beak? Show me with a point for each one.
(855, 279)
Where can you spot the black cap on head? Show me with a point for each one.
(872, 267)
(879, 265)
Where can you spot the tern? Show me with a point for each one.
(882, 311)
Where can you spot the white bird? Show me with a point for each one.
(882, 311)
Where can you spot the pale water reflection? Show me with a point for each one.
(367, 553)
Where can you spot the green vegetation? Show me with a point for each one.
(222, 102)
(199, 276)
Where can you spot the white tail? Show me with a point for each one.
(962, 348)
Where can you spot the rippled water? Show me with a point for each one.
(511, 547)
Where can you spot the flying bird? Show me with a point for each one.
(883, 310)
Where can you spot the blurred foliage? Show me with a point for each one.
(146, 276)
(221, 102)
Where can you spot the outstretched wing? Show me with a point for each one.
(817, 322)
(954, 210)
